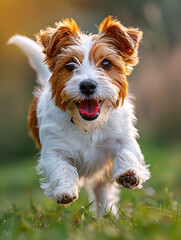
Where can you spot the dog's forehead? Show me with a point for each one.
(93, 48)
(84, 44)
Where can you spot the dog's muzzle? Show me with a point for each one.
(88, 87)
(89, 109)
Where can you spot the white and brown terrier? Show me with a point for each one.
(81, 117)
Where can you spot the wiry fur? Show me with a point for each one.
(97, 152)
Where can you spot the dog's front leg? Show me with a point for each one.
(129, 169)
(61, 177)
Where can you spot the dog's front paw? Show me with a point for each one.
(129, 180)
(66, 199)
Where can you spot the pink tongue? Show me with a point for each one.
(89, 107)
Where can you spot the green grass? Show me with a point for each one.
(152, 213)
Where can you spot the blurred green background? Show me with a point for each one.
(156, 85)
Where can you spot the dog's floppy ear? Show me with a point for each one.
(126, 40)
(53, 39)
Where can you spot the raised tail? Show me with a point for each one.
(35, 56)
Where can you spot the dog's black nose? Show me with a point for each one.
(88, 87)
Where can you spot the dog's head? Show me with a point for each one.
(89, 71)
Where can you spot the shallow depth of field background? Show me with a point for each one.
(155, 83)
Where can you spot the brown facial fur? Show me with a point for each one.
(125, 40)
(54, 40)
(61, 75)
(33, 123)
(117, 73)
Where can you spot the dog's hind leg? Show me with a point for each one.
(106, 195)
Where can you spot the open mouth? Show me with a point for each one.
(89, 109)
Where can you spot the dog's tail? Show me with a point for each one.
(35, 56)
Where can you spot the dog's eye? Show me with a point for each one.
(106, 64)
(70, 66)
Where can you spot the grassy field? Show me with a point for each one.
(152, 213)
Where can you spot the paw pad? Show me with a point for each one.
(128, 180)
(66, 199)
